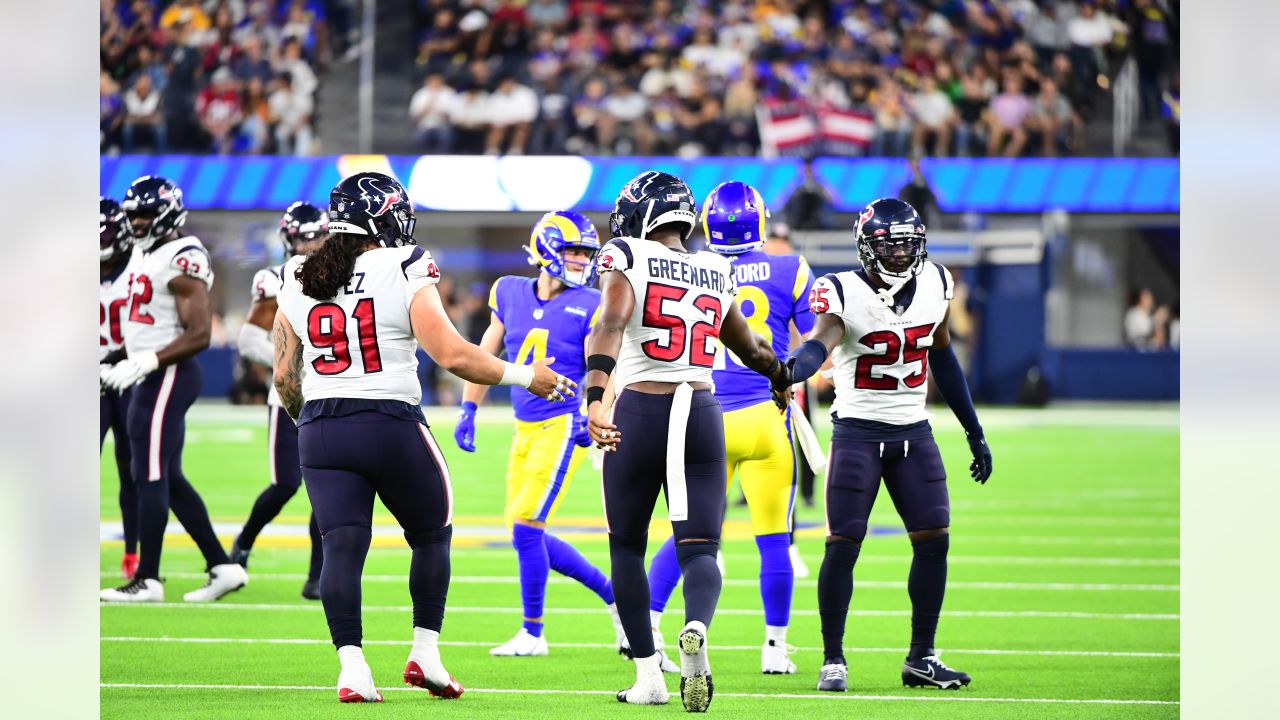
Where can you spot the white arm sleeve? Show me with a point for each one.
(255, 344)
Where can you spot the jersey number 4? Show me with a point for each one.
(327, 330)
(696, 335)
(895, 350)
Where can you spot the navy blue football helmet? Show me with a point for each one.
(733, 218)
(153, 206)
(891, 240)
(303, 223)
(374, 205)
(650, 200)
(114, 236)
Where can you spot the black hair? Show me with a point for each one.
(329, 269)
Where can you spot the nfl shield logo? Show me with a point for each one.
(537, 313)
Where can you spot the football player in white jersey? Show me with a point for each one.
(115, 251)
(346, 370)
(303, 230)
(885, 327)
(168, 323)
(661, 310)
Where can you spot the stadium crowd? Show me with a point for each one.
(219, 76)
(994, 77)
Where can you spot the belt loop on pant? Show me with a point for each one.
(677, 492)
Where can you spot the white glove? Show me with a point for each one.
(130, 371)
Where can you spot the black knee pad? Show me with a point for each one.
(628, 544)
(345, 534)
(843, 548)
(933, 549)
(690, 550)
(437, 536)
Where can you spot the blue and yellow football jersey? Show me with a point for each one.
(773, 291)
(535, 329)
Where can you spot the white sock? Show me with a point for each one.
(424, 639)
(655, 619)
(776, 633)
(351, 656)
(648, 666)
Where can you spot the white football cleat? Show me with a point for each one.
(665, 663)
(136, 590)
(223, 579)
(774, 658)
(798, 565)
(650, 689)
(696, 687)
(522, 645)
(355, 682)
(425, 670)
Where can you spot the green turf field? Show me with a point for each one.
(1062, 602)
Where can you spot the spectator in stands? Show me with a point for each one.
(1053, 119)
(293, 62)
(1150, 29)
(1046, 30)
(893, 124)
(547, 14)
(143, 118)
(1007, 119)
(512, 109)
(809, 207)
(918, 193)
(587, 45)
(623, 126)
(469, 115)
(252, 63)
(187, 12)
(588, 110)
(1171, 111)
(182, 92)
(259, 26)
(1089, 32)
(255, 129)
(218, 106)
(551, 129)
(146, 64)
(664, 119)
(934, 117)
(222, 51)
(740, 101)
(110, 113)
(291, 111)
(429, 112)
(1143, 321)
(702, 118)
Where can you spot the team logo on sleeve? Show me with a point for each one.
(433, 271)
(606, 262)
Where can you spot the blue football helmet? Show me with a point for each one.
(557, 232)
(375, 205)
(891, 240)
(114, 236)
(650, 200)
(733, 218)
(302, 222)
(153, 206)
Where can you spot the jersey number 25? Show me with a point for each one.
(895, 351)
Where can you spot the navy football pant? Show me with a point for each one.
(913, 476)
(286, 478)
(633, 477)
(346, 462)
(157, 429)
(113, 415)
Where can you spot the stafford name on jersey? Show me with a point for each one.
(682, 272)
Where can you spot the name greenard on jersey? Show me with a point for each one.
(682, 272)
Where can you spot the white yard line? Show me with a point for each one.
(785, 696)
(315, 607)
(610, 646)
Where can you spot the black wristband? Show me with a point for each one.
(595, 393)
(601, 362)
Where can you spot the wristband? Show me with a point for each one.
(594, 393)
(601, 362)
(513, 374)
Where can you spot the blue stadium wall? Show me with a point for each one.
(1014, 294)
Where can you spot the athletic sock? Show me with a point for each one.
(429, 574)
(702, 580)
(631, 589)
(926, 584)
(351, 656)
(265, 509)
(775, 635)
(535, 566)
(129, 509)
(655, 619)
(345, 549)
(317, 549)
(566, 560)
(835, 590)
(777, 579)
(664, 574)
(153, 518)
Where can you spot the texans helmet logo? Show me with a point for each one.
(866, 214)
(606, 262)
(629, 194)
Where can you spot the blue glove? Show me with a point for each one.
(580, 435)
(465, 432)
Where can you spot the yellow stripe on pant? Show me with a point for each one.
(542, 462)
(758, 447)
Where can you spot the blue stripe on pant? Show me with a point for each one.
(561, 470)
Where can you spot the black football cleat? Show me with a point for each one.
(929, 671)
(239, 555)
(834, 677)
(311, 589)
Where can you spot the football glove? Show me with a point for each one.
(581, 437)
(980, 468)
(465, 432)
(130, 371)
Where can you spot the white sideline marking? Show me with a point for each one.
(785, 696)
(315, 607)
(610, 646)
(740, 582)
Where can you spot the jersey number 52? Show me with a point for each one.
(695, 335)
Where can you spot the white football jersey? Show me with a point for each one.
(681, 298)
(360, 344)
(881, 365)
(266, 286)
(153, 312)
(113, 307)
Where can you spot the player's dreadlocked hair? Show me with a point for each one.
(329, 269)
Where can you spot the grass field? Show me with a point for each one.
(1062, 601)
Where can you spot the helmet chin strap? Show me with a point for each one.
(886, 295)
